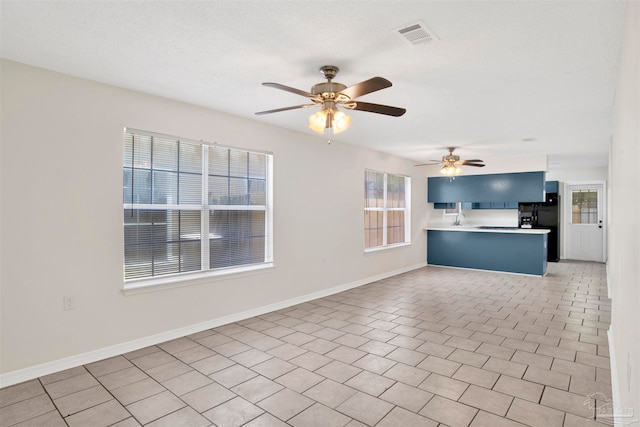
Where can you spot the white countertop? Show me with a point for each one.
(477, 229)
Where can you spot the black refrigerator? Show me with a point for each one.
(544, 215)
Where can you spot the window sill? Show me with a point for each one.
(384, 248)
(172, 282)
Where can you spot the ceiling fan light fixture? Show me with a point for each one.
(329, 118)
(450, 170)
(318, 121)
(329, 95)
(340, 122)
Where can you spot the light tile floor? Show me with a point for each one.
(431, 347)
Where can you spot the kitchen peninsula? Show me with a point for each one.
(508, 249)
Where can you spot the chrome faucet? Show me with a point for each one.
(458, 218)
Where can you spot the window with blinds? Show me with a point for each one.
(192, 207)
(386, 209)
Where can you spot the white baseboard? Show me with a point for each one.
(47, 368)
(484, 271)
(615, 382)
(606, 269)
(613, 366)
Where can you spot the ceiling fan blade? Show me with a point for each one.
(427, 164)
(472, 161)
(375, 108)
(291, 89)
(277, 110)
(365, 87)
(474, 165)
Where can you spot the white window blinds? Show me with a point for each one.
(190, 206)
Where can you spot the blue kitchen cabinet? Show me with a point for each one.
(552, 186)
(497, 188)
(510, 252)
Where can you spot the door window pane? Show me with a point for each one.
(584, 207)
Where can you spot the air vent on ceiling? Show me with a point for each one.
(416, 33)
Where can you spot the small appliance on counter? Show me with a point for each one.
(543, 215)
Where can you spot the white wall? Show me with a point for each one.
(61, 178)
(624, 231)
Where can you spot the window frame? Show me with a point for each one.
(591, 213)
(171, 280)
(385, 210)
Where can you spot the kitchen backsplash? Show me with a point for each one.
(507, 217)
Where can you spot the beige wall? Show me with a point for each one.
(61, 221)
(624, 219)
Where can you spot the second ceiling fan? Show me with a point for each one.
(330, 95)
(451, 163)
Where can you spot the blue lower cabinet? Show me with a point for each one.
(509, 252)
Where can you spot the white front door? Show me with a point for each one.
(584, 222)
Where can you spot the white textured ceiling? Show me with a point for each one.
(501, 71)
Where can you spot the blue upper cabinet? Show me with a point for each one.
(503, 187)
(552, 186)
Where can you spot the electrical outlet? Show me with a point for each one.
(68, 303)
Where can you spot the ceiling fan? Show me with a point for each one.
(330, 95)
(451, 163)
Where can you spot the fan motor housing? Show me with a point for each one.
(327, 89)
